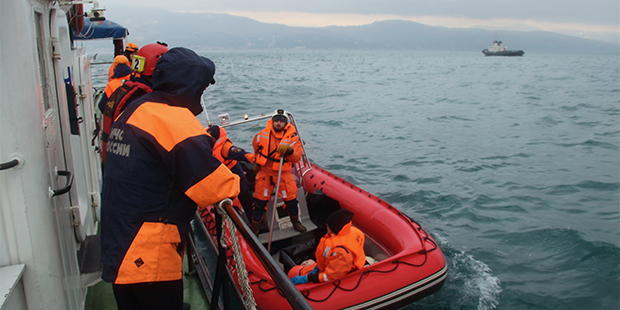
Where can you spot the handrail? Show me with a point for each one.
(290, 292)
(67, 187)
(9, 164)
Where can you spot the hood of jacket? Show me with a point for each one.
(122, 70)
(180, 78)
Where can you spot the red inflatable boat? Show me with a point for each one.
(408, 264)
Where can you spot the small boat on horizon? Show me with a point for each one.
(497, 49)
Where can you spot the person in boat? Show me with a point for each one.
(339, 252)
(159, 168)
(230, 155)
(278, 139)
(114, 104)
(126, 58)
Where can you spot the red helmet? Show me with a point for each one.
(144, 62)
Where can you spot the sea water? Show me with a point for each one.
(511, 163)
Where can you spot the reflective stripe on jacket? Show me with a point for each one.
(337, 255)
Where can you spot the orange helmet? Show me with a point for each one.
(132, 47)
(144, 62)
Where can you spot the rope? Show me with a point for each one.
(242, 273)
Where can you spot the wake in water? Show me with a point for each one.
(470, 279)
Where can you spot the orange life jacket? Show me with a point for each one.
(265, 148)
(222, 144)
(113, 84)
(337, 255)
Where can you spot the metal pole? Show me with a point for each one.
(204, 108)
(275, 203)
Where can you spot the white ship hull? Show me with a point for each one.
(48, 129)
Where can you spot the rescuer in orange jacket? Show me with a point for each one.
(277, 139)
(230, 155)
(159, 168)
(339, 252)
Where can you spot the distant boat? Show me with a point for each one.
(497, 49)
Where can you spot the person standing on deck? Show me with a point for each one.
(122, 73)
(278, 139)
(159, 168)
(130, 50)
(113, 105)
(230, 155)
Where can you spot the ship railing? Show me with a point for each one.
(223, 278)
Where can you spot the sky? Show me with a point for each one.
(575, 17)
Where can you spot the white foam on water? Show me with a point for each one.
(478, 279)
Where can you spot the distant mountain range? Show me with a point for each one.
(222, 31)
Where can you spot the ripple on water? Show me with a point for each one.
(470, 284)
(547, 258)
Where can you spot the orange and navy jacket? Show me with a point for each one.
(267, 141)
(337, 255)
(116, 104)
(227, 153)
(159, 168)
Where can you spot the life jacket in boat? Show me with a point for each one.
(117, 102)
(267, 141)
(337, 255)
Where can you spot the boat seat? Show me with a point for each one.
(373, 250)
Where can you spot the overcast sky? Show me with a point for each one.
(550, 15)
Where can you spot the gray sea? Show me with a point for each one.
(512, 164)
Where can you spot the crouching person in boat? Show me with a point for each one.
(230, 155)
(159, 168)
(278, 139)
(339, 252)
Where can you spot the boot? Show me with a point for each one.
(256, 228)
(297, 224)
